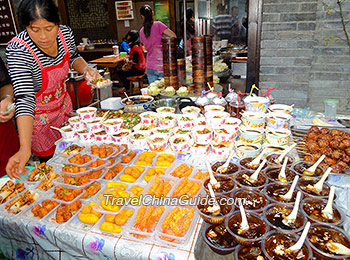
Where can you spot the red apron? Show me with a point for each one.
(9, 144)
(52, 102)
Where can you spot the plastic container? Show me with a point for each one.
(303, 183)
(143, 234)
(28, 214)
(151, 187)
(273, 192)
(138, 180)
(291, 239)
(52, 194)
(259, 184)
(319, 205)
(115, 152)
(113, 126)
(174, 240)
(51, 217)
(230, 185)
(60, 182)
(272, 210)
(218, 249)
(76, 224)
(94, 196)
(93, 158)
(120, 202)
(252, 200)
(231, 170)
(190, 190)
(103, 165)
(330, 108)
(226, 208)
(86, 113)
(173, 167)
(299, 168)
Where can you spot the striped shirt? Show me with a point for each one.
(223, 25)
(25, 72)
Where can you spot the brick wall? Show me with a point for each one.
(294, 59)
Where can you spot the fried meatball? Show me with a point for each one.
(312, 146)
(347, 151)
(314, 129)
(346, 158)
(336, 132)
(312, 136)
(323, 143)
(327, 151)
(334, 144)
(336, 155)
(325, 137)
(337, 138)
(325, 131)
(329, 161)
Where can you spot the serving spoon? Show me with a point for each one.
(327, 212)
(256, 161)
(282, 175)
(223, 168)
(285, 152)
(254, 177)
(337, 248)
(289, 194)
(244, 224)
(293, 215)
(215, 209)
(311, 170)
(299, 244)
(319, 185)
(212, 181)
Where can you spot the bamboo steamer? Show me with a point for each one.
(209, 59)
(181, 71)
(170, 62)
(198, 63)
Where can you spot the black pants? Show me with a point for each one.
(132, 72)
(45, 159)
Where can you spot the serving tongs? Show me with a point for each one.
(223, 168)
(215, 209)
(290, 219)
(311, 170)
(212, 181)
(327, 212)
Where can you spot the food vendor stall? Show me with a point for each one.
(107, 192)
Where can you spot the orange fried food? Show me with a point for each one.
(201, 175)
(103, 151)
(43, 209)
(91, 190)
(97, 163)
(128, 158)
(80, 159)
(65, 194)
(187, 189)
(73, 169)
(77, 181)
(146, 219)
(65, 212)
(182, 171)
(113, 172)
(39, 172)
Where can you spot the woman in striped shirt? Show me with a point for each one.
(39, 59)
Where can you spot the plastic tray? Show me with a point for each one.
(27, 213)
(64, 145)
(99, 208)
(70, 174)
(92, 198)
(25, 189)
(140, 179)
(189, 180)
(156, 158)
(75, 223)
(175, 241)
(119, 173)
(134, 233)
(52, 194)
(93, 158)
(132, 161)
(51, 217)
(99, 167)
(60, 182)
(162, 177)
(102, 174)
(175, 165)
(97, 229)
(17, 214)
(115, 153)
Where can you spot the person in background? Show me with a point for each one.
(238, 30)
(9, 144)
(124, 46)
(190, 30)
(136, 65)
(222, 24)
(151, 35)
(39, 59)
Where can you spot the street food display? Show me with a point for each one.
(117, 181)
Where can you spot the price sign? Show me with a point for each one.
(8, 27)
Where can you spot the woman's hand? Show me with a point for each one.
(91, 74)
(7, 101)
(127, 66)
(16, 164)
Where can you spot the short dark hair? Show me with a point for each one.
(147, 13)
(134, 38)
(189, 13)
(32, 10)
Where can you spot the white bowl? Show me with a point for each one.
(224, 134)
(186, 122)
(101, 136)
(85, 136)
(253, 119)
(209, 108)
(149, 119)
(200, 120)
(232, 124)
(76, 124)
(114, 125)
(191, 110)
(201, 137)
(179, 143)
(122, 137)
(277, 137)
(247, 150)
(199, 149)
(143, 128)
(250, 135)
(94, 125)
(167, 120)
(68, 134)
(166, 133)
(256, 104)
(166, 110)
(222, 150)
(157, 143)
(86, 113)
(139, 139)
(179, 131)
(281, 108)
(216, 118)
(278, 120)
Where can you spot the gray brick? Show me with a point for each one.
(329, 76)
(279, 44)
(306, 26)
(301, 77)
(271, 17)
(268, 53)
(303, 61)
(333, 25)
(268, 70)
(328, 51)
(294, 53)
(268, 36)
(277, 61)
(322, 84)
(276, 78)
(280, 8)
(295, 35)
(327, 67)
(279, 26)
(306, 44)
(310, 7)
(292, 17)
(292, 70)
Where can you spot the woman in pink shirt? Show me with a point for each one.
(151, 35)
